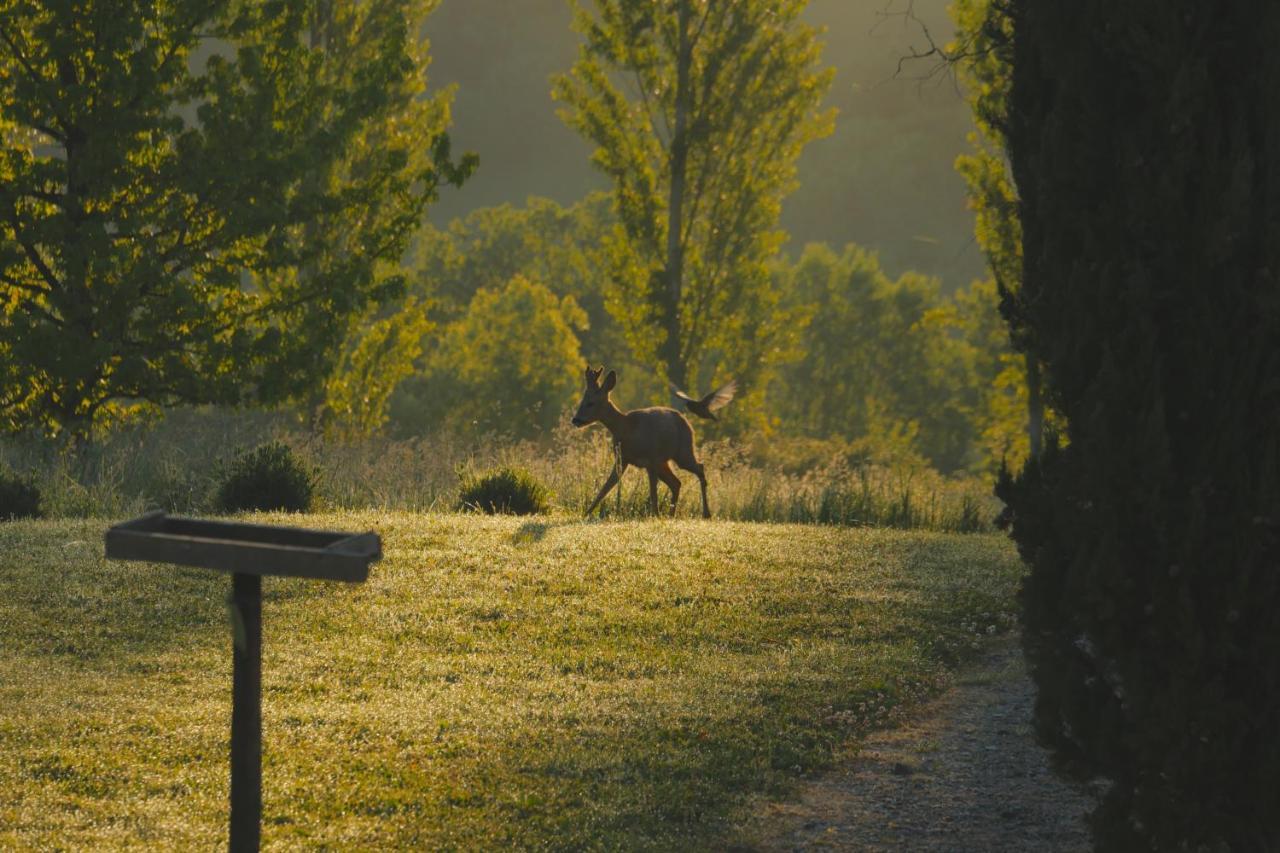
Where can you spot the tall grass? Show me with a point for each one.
(176, 465)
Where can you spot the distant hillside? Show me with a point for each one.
(884, 179)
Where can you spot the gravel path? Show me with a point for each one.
(965, 774)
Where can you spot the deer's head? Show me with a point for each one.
(595, 399)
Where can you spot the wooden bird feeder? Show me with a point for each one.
(247, 552)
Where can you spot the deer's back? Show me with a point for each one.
(656, 435)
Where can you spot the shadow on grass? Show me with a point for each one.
(536, 531)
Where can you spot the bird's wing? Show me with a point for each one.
(720, 397)
(680, 395)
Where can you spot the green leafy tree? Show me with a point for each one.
(561, 247)
(378, 357)
(195, 197)
(982, 56)
(698, 112)
(887, 362)
(999, 374)
(367, 237)
(510, 365)
(542, 240)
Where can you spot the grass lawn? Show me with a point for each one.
(496, 683)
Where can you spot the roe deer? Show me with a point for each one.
(646, 438)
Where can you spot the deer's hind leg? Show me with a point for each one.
(690, 463)
(653, 490)
(669, 477)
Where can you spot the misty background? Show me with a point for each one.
(884, 179)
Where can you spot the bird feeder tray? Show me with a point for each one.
(238, 548)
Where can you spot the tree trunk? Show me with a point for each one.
(676, 369)
(321, 26)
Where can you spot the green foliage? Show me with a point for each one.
(542, 240)
(195, 197)
(698, 112)
(19, 496)
(894, 365)
(381, 353)
(498, 683)
(269, 477)
(557, 247)
(509, 365)
(508, 491)
(984, 53)
(560, 247)
(1000, 380)
(984, 46)
(1141, 137)
(893, 361)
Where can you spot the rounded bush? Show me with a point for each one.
(269, 477)
(510, 491)
(19, 497)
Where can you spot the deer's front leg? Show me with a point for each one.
(614, 475)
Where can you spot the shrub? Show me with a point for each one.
(269, 477)
(1153, 528)
(508, 490)
(19, 497)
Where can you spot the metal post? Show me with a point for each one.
(246, 713)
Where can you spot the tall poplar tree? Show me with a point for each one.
(983, 57)
(698, 111)
(195, 196)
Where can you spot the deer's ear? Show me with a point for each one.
(609, 381)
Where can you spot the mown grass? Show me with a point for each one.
(497, 683)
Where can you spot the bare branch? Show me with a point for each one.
(945, 59)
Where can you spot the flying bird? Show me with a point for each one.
(706, 407)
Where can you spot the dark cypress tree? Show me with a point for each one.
(1143, 138)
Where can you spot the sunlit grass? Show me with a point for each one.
(496, 683)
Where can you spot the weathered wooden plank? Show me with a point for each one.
(253, 549)
(159, 522)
